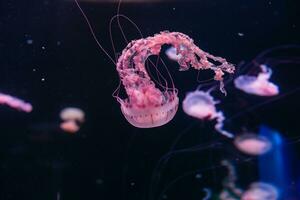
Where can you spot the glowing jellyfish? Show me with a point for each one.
(201, 105)
(259, 85)
(172, 53)
(252, 144)
(72, 118)
(260, 191)
(256, 191)
(146, 105)
(72, 114)
(15, 103)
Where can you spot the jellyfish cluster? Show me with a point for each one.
(150, 104)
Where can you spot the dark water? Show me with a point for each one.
(49, 58)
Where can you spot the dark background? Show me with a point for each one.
(108, 158)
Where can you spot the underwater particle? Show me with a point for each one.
(241, 34)
(15, 103)
(99, 181)
(257, 85)
(260, 191)
(146, 105)
(252, 144)
(43, 79)
(198, 176)
(201, 105)
(72, 114)
(70, 126)
(29, 41)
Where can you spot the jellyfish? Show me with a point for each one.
(146, 105)
(252, 144)
(72, 114)
(256, 190)
(72, 119)
(15, 103)
(259, 85)
(260, 190)
(201, 105)
(172, 54)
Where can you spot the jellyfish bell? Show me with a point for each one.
(252, 144)
(72, 114)
(149, 115)
(200, 105)
(257, 85)
(260, 191)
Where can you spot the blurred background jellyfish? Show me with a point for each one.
(260, 191)
(71, 118)
(257, 85)
(256, 190)
(201, 105)
(172, 54)
(252, 144)
(15, 103)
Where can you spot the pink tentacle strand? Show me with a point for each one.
(146, 105)
(15, 103)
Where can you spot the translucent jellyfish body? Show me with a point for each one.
(72, 114)
(252, 144)
(15, 103)
(173, 54)
(260, 191)
(146, 105)
(72, 119)
(202, 105)
(257, 85)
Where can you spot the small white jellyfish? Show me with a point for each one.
(173, 54)
(252, 144)
(72, 118)
(260, 191)
(72, 114)
(259, 85)
(201, 105)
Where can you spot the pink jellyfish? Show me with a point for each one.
(252, 144)
(260, 190)
(201, 105)
(259, 85)
(146, 105)
(172, 53)
(72, 119)
(15, 103)
(256, 191)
